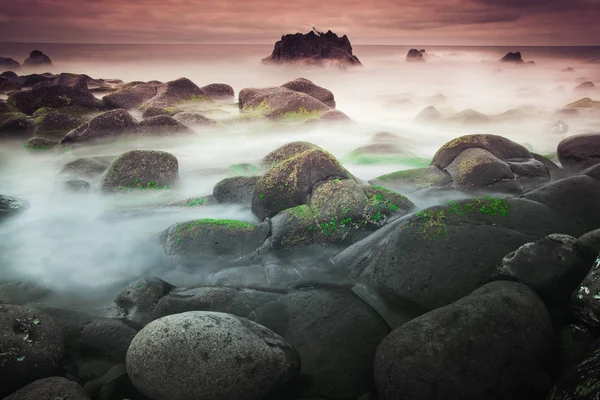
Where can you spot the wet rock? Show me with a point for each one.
(570, 346)
(155, 111)
(32, 347)
(138, 299)
(55, 125)
(162, 125)
(512, 58)
(314, 48)
(414, 55)
(50, 388)
(15, 123)
(470, 117)
(38, 143)
(219, 355)
(414, 179)
(8, 64)
(131, 96)
(193, 119)
(285, 103)
(236, 190)
(330, 116)
(555, 171)
(585, 300)
(305, 86)
(219, 91)
(142, 169)
(37, 58)
(579, 152)
(76, 186)
(199, 201)
(84, 167)
(10, 206)
(177, 92)
(107, 126)
(494, 343)
(106, 338)
(112, 385)
(286, 152)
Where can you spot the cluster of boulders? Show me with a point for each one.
(35, 59)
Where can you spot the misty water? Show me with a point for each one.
(94, 244)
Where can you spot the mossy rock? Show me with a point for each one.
(55, 125)
(202, 240)
(285, 104)
(39, 143)
(193, 202)
(244, 169)
(76, 112)
(286, 152)
(235, 190)
(305, 86)
(155, 111)
(130, 96)
(290, 183)
(414, 179)
(84, 167)
(15, 122)
(586, 102)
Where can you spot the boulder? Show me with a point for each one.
(429, 114)
(218, 356)
(37, 58)
(8, 85)
(315, 48)
(570, 346)
(493, 344)
(584, 103)
(85, 168)
(585, 86)
(161, 109)
(76, 185)
(142, 169)
(131, 96)
(177, 92)
(303, 85)
(579, 152)
(107, 126)
(236, 190)
(10, 206)
(555, 171)
(8, 64)
(219, 91)
(32, 347)
(194, 119)
(55, 125)
(471, 117)
(286, 152)
(414, 55)
(15, 123)
(330, 116)
(285, 103)
(290, 183)
(512, 58)
(138, 299)
(581, 382)
(585, 300)
(50, 389)
(414, 179)
(161, 125)
(21, 293)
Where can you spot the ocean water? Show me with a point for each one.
(66, 241)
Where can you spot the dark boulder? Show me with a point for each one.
(138, 300)
(32, 347)
(107, 126)
(412, 180)
(555, 171)
(219, 356)
(236, 190)
(55, 125)
(131, 96)
(585, 301)
(219, 91)
(141, 169)
(315, 48)
(21, 293)
(194, 119)
(37, 58)
(512, 58)
(8, 85)
(160, 109)
(50, 389)
(8, 64)
(305, 86)
(13, 122)
(84, 167)
(10, 206)
(161, 125)
(570, 346)
(579, 152)
(493, 344)
(414, 55)
(582, 382)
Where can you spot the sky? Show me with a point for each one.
(402, 22)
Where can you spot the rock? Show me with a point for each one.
(55, 125)
(8, 85)
(142, 169)
(193, 119)
(131, 96)
(584, 103)
(50, 389)
(10, 206)
(581, 382)
(303, 85)
(589, 242)
(286, 152)
(429, 114)
(21, 293)
(584, 301)
(8, 64)
(236, 190)
(33, 79)
(551, 267)
(571, 344)
(290, 183)
(555, 171)
(219, 356)
(84, 167)
(512, 58)
(330, 116)
(285, 103)
(202, 241)
(32, 347)
(414, 179)
(593, 171)
(568, 69)
(15, 122)
(109, 125)
(114, 384)
(76, 185)
(558, 127)
(56, 96)
(414, 55)
(579, 152)
(138, 299)
(106, 338)
(588, 85)
(472, 117)
(219, 91)
(315, 48)
(177, 92)
(161, 125)
(152, 111)
(494, 343)
(200, 201)
(336, 335)
(38, 143)
(37, 58)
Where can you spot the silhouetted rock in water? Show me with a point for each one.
(455, 352)
(414, 55)
(50, 388)
(10, 206)
(55, 125)
(512, 58)
(75, 93)
(131, 96)
(68, 79)
(37, 58)
(586, 86)
(194, 119)
(281, 103)
(32, 344)
(161, 125)
(314, 48)
(8, 64)
(568, 69)
(579, 152)
(34, 79)
(219, 91)
(40, 143)
(429, 114)
(142, 169)
(108, 126)
(305, 86)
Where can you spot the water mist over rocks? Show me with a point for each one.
(314, 220)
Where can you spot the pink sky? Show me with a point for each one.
(403, 22)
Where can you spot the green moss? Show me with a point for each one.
(200, 98)
(262, 108)
(242, 169)
(301, 115)
(138, 185)
(419, 177)
(217, 223)
(172, 110)
(198, 202)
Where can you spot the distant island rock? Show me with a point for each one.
(513, 58)
(314, 48)
(8, 64)
(37, 58)
(415, 55)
